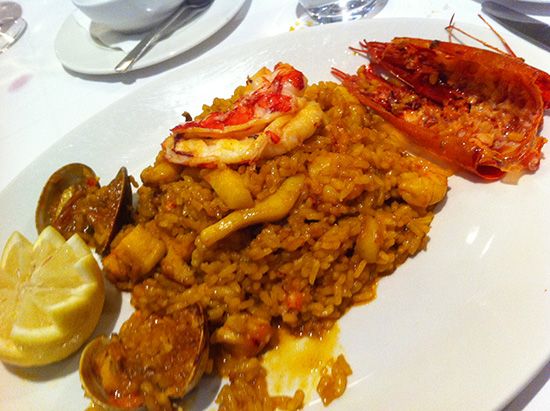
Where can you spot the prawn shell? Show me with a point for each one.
(423, 69)
(235, 135)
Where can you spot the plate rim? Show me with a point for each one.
(70, 24)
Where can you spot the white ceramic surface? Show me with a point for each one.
(462, 326)
(77, 51)
(127, 15)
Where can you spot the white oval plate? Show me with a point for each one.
(77, 51)
(462, 326)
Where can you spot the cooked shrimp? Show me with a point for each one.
(270, 119)
(268, 95)
(286, 133)
(210, 152)
(424, 187)
(475, 108)
(282, 135)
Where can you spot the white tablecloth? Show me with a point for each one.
(40, 101)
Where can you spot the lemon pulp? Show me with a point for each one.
(51, 297)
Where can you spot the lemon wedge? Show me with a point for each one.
(51, 297)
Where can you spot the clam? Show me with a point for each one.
(154, 361)
(59, 189)
(72, 201)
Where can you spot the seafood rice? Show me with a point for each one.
(345, 207)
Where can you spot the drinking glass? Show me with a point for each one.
(12, 25)
(329, 11)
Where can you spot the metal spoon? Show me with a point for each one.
(12, 25)
(186, 12)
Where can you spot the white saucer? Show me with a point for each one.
(77, 51)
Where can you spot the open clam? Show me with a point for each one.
(72, 201)
(154, 361)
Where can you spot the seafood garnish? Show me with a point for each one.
(475, 108)
(72, 201)
(210, 152)
(270, 118)
(156, 359)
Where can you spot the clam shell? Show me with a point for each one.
(70, 175)
(69, 184)
(91, 382)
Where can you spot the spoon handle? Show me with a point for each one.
(155, 35)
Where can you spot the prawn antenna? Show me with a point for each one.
(504, 42)
(452, 26)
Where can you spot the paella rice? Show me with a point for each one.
(309, 236)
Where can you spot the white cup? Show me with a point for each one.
(127, 16)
